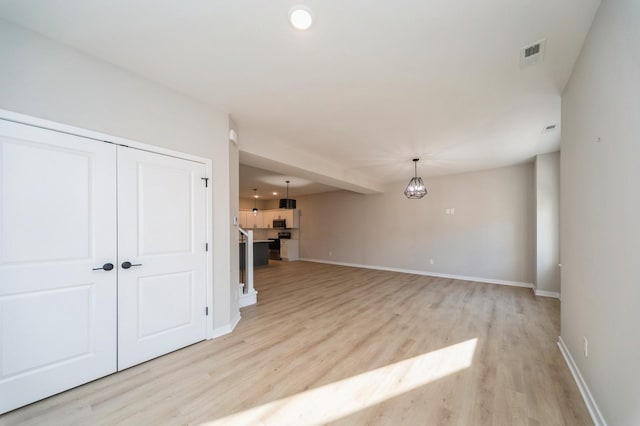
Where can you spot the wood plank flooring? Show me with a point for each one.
(336, 345)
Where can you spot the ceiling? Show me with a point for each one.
(267, 182)
(371, 85)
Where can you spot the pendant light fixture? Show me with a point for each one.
(287, 203)
(255, 201)
(415, 188)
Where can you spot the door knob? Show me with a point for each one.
(106, 267)
(127, 265)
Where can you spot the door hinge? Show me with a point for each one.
(206, 182)
(206, 310)
(206, 246)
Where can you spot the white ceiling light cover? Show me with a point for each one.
(300, 17)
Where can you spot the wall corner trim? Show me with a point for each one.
(235, 320)
(544, 293)
(590, 402)
(427, 273)
(225, 329)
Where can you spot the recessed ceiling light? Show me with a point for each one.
(300, 17)
(274, 193)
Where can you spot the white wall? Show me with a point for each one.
(41, 78)
(547, 172)
(600, 215)
(248, 203)
(490, 236)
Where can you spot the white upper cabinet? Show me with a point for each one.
(267, 218)
(264, 219)
(292, 217)
(253, 221)
(242, 218)
(250, 221)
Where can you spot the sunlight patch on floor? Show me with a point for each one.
(344, 397)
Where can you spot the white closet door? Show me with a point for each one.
(57, 223)
(162, 234)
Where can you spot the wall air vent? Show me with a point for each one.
(532, 53)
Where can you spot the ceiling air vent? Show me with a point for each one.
(533, 53)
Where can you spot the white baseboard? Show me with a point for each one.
(594, 411)
(248, 299)
(235, 321)
(221, 331)
(427, 273)
(544, 293)
(225, 329)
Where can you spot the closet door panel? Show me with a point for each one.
(57, 224)
(162, 234)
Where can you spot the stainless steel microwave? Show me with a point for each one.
(279, 223)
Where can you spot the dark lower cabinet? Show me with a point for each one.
(260, 254)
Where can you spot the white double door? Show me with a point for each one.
(74, 214)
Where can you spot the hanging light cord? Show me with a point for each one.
(255, 201)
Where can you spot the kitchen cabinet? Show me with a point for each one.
(259, 220)
(250, 221)
(289, 249)
(264, 218)
(267, 219)
(242, 217)
(292, 217)
(260, 253)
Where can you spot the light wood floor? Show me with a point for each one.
(331, 344)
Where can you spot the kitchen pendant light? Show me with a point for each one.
(415, 188)
(255, 201)
(287, 203)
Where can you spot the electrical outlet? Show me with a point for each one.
(586, 347)
(431, 261)
(330, 253)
